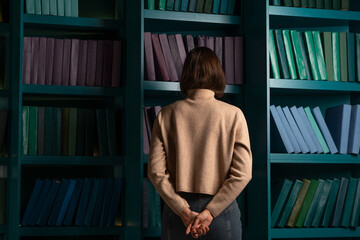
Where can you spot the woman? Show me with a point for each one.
(200, 158)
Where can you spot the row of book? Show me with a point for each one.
(151, 206)
(316, 203)
(165, 55)
(71, 62)
(200, 6)
(149, 116)
(312, 55)
(68, 8)
(68, 131)
(73, 202)
(305, 130)
(321, 4)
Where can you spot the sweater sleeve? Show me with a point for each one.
(159, 174)
(240, 172)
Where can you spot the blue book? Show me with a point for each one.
(223, 6)
(69, 216)
(184, 5)
(281, 191)
(99, 203)
(354, 130)
(83, 203)
(40, 202)
(106, 202)
(32, 201)
(92, 201)
(310, 129)
(276, 145)
(64, 186)
(304, 132)
(288, 130)
(115, 200)
(299, 138)
(324, 130)
(192, 6)
(216, 6)
(50, 199)
(338, 121)
(339, 205)
(66, 202)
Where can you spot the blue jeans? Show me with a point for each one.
(227, 226)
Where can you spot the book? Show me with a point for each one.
(345, 5)
(304, 3)
(207, 6)
(210, 43)
(161, 70)
(192, 6)
(231, 7)
(91, 63)
(48, 203)
(284, 68)
(279, 199)
(317, 130)
(350, 38)
(99, 62)
(25, 130)
(42, 61)
(65, 131)
(106, 203)
(336, 4)
(90, 125)
(53, 8)
(223, 6)
(276, 2)
(189, 41)
(149, 4)
(58, 61)
(74, 61)
(102, 132)
(57, 131)
(30, 6)
(75, 8)
(289, 54)
(288, 3)
(338, 121)
(81, 73)
(340, 201)
(296, 3)
(80, 131)
(349, 203)
(35, 48)
(111, 131)
(115, 200)
(216, 6)
(357, 38)
(27, 60)
(116, 64)
(175, 54)
(327, 4)
(354, 130)
(328, 51)
(60, 7)
(170, 5)
(336, 55)
(49, 65)
(273, 56)
(74, 200)
(288, 130)
(343, 57)
(39, 203)
(146, 142)
(298, 55)
(107, 64)
(83, 202)
(319, 55)
(149, 57)
(63, 188)
(33, 130)
(305, 55)
(32, 202)
(199, 6)
(92, 201)
(160, 4)
(330, 203)
(72, 131)
(184, 5)
(65, 77)
(48, 131)
(67, 5)
(40, 130)
(219, 48)
(229, 60)
(319, 4)
(99, 203)
(322, 203)
(181, 47)
(239, 60)
(168, 57)
(65, 203)
(314, 203)
(177, 5)
(354, 220)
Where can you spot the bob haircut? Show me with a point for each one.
(202, 69)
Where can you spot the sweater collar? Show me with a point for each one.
(200, 94)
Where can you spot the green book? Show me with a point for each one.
(231, 7)
(33, 130)
(298, 203)
(57, 131)
(38, 7)
(284, 66)
(160, 4)
(328, 51)
(351, 56)
(25, 130)
(67, 4)
(349, 203)
(289, 54)
(298, 55)
(273, 57)
(30, 6)
(75, 8)
(207, 6)
(2, 201)
(280, 190)
(65, 131)
(312, 55)
(72, 131)
(288, 3)
(289, 204)
(53, 8)
(327, 4)
(48, 132)
(60, 7)
(336, 55)
(170, 5)
(320, 4)
(345, 5)
(314, 204)
(150, 4)
(297, 3)
(336, 4)
(354, 220)
(312, 3)
(319, 55)
(357, 43)
(199, 6)
(343, 57)
(330, 203)
(45, 7)
(306, 203)
(305, 3)
(177, 5)
(322, 203)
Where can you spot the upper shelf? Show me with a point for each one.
(284, 158)
(69, 231)
(314, 233)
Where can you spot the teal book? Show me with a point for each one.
(157, 210)
(48, 131)
(351, 56)
(215, 7)
(322, 203)
(177, 5)
(33, 125)
(319, 55)
(72, 131)
(223, 6)
(288, 3)
(345, 5)
(305, 56)
(349, 203)
(66, 202)
(314, 204)
(25, 130)
(296, 3)
(354, 220)
(357, 36)
(305, 3)
(312, 3)
(111, 131)
(67, 5)
(150, 4)
(92, 201)
(327, 4)
(75, 8)
(273, 57)
(336, 4)
(60, 7)
(207, 6)
(340, 203)
(231, 7)
(45, 7)
(312, 55)
(319, 4)
(343, 57)
(185, 5)
(298, 55)
(328, 51)
(330, 203)
(30, 6)
(170, 5)
(284, 67)
(289, 204)
(53, 8)
(279, 194)
(57, 131)
(276, 2)
(65, 131)
(152, 208)
(289, 54)
(102, 132)
(60, 197)
(160, 4)
(38, 7)
(336, 55)
(199, 6)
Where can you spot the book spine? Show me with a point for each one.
(216, 6)
(67, 5)
(336, 4)
(184, 5)
(345, 5)
(207, 6)
(33, 130)
(296, 3)
(273, 56)
(58, 61)
(65, 78)
(25, 130)
(351, 56)
(288, 3)
(319, 55)
(289, 54)
(99, 63)
(170, 5)
(81, 73)
(75, 8)
(223, 6)
(30, 6)
(60, 7)
(357, 36)
(150, 4)
(45, 7)
(328, 55)
(116, 65)
(336, 55)
(38, 7)
(177, 5)
(305, 3)
(91, 63)
(231, 7)
(282, 56)
(27, 57)
(305, 49)
(319, 4)
(35, 48)
(298, 54)
(53, 8)
(312, 3)
(327, 4)
(343, 57)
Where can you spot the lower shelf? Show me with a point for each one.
(152, 232)
(314, 233)
(71, 160)
(69, 231)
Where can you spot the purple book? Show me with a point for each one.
(116, 64)
(200, 41)
(81, 76)
(175, 54)
(42, 61)
(181, 47)
(99, 62)
(107, 65)
(58, 60)
(50, 45)
(66, 62)
(189, 40)
(149, 57)
(35, 47)
(219, 49)
(26, 66)
(239, 60)
(74, 61)
(160, 65)
(91, 63)
(229, 60)
(210, 43)
(168, 57)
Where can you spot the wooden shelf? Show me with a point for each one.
(69, 231)
(152, 232)
(71, 160)
(285, 158)
(314, 233)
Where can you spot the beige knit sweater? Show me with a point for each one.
(200, 145)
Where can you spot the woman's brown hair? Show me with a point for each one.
(202, 69)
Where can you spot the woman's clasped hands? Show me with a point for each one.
(196, 223)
